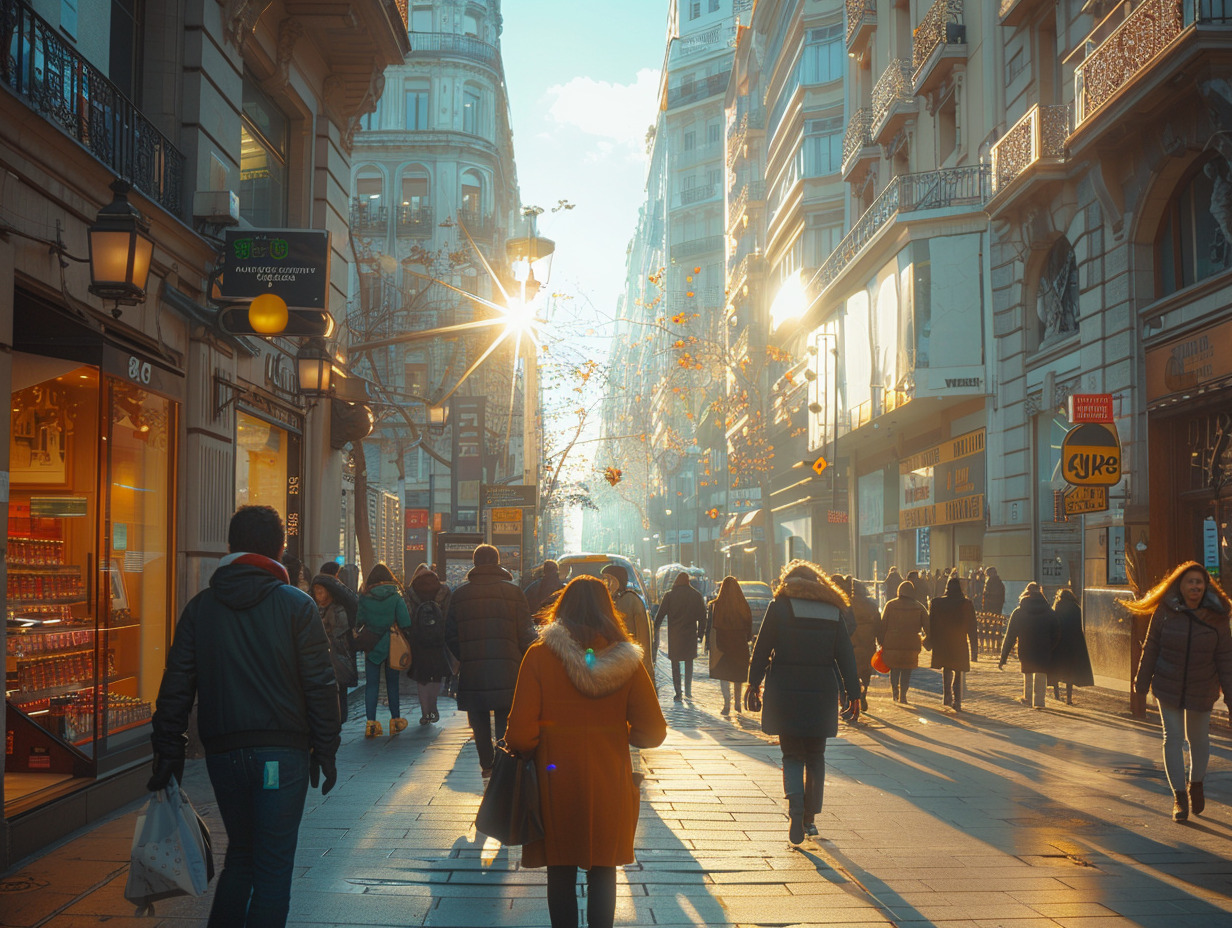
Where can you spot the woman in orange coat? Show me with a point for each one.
(582, 697)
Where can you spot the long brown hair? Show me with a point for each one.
(731, 608)
(585, 608)
(1171, 583)
(379, 574)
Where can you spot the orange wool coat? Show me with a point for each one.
(579, 719)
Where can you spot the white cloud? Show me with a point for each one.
(620, 112)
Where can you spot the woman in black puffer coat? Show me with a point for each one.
(1033, 627)
(1071, 664)
(801, 639)
(951, 622)
(1186, 661)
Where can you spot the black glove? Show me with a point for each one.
(852, 713)
(318, 763)
(752, 698)
(164, 769)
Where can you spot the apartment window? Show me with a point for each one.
(369, 189)
(690, 140)
(264, 131)
(695, 9)
(823, 59)
(1191, 245)
(415, 188)
(417, 105)
(714, 177)
(470, 25)
(823, 146)
(421, 18)
(472, 115)
(714, 6)
(371, 121)
(714, 132)
(821, 240)
(68, 18)
(472, 194)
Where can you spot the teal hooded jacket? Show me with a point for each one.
(379, 608)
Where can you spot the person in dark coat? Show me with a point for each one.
(685, 609)
(1033, 626)
(919, 587)
(1186, 661)
(251, 653)
(1071, 664)
(993, 592)
(902, 623)
(544, 590)
(951, 623)
(488, 628)
(428, 601)
(337, 631)
(893, 581)
(866, 618)
(800, 642)
(338, 591)
(729, 629)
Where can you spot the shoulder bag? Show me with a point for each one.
(399, 649)
(510, 810)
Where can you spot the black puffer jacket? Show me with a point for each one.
(252, 651)
(342, 594)
(951, 622)
(488, 629)
(1033, 626)
(1071, 663)
(801, 639)
(1188, 655)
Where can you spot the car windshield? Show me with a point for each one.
(756, 588)
(589, 567)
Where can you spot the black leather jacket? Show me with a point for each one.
(252, 651)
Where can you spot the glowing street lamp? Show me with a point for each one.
(120, 250)
(531, 260)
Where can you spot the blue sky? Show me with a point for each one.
(582, 78)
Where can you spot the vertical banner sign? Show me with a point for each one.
(467, 415)
(415, 536)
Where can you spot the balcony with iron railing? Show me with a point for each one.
(1142, 53)
(693, 91)
(938, 44)
(699, 193)
(414, 221)
(965, 187)
(51, 78)
(752, 193)
(893, 101)
(746, 268)
(861, 23)
(1035, 141)
(452, 45)
(691, 248)
(698, 154)
(367, 218)
(749, 122)
(858, 145)
(477, 224)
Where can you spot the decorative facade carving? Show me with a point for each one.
(290, 31)
(1056, 302)
(240, 17)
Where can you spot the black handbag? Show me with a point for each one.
(510, 811)
(343, 660)
(366, 639)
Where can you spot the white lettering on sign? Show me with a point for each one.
(138, 371)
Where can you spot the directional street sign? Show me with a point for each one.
(820, 465)
(1079, 500)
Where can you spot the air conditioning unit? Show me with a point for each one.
(220, 207)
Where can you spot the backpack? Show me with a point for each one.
(428, 625)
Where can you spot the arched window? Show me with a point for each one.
(1193, 240)
(415, 187)
(1056, 299)
(472, 196)
(470, 25)
(369, 188)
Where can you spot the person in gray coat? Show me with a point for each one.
(802, 639)
(1033, 627)
(685, 611)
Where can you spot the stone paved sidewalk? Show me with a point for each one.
(1000, 816)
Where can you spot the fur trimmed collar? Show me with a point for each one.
(799, 588)
(1211, 610)
(610, 670)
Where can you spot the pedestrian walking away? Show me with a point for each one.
(801, 640)
(251, 652)
(684, 609)
(428, 601)
(1071, 663)
(1186, 661)
(993, 592)
(1033, 627)
(903, 623)
(488, 629)
(337, 632)
(864, 638)
(381, 607)
(632, 613)
(889, 588)
(543, 590)
(951, 625)
(729, 629)
(583, 697)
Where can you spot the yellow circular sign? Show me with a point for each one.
(268, 314)
(1091, 455)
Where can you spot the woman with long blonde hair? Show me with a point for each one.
(1186, 661)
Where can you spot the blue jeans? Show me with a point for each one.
(262, 825)
(372, 688)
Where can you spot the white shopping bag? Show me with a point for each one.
(171, 853)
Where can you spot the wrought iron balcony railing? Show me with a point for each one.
(367, 218)
(893, 88)
(694, 90)
(414, 220)
(857, 12)
(698, 194)
(696, 246)
(477, 224)
(1039, 136)
(1135, 45)
(462, 46)
(751, 192)
(859, 135)
(907, 193)
(941, 25)
(63, 87)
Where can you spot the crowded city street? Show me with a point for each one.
(1000, 815)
